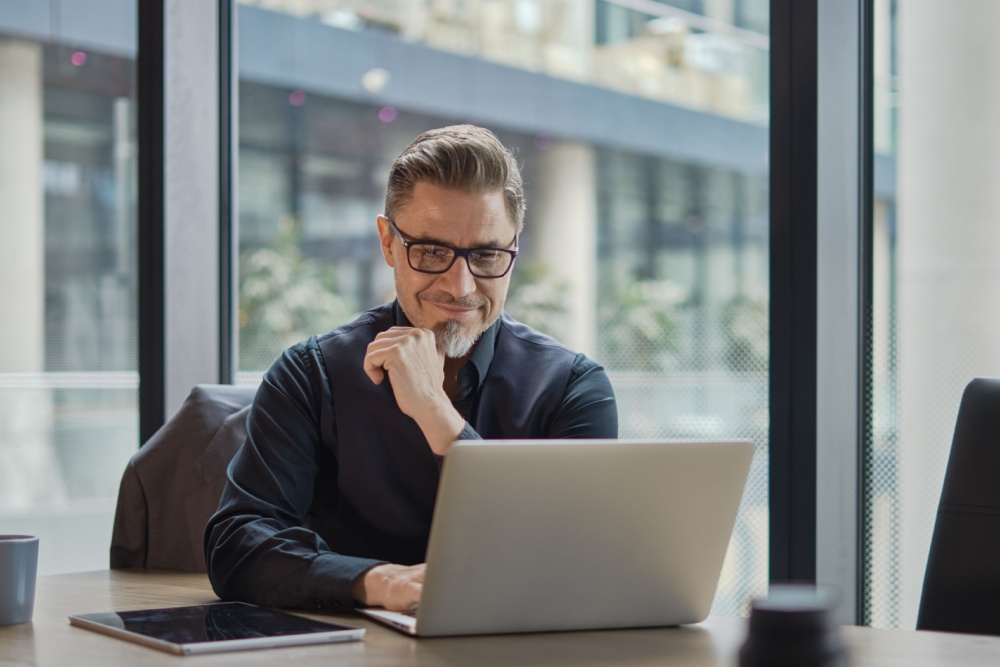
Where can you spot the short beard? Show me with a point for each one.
(454, 342)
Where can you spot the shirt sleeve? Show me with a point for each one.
(588, 408)
(256, 547)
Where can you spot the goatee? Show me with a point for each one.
(453, 341)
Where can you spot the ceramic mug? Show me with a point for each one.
(18, 566)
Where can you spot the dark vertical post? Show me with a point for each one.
(150, 94)
(228, 247)
(866, 192)
(793, 260)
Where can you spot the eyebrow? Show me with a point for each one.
(423, 238)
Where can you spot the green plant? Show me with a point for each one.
(638, 331)
(285, 297)
(745, 326)
(538, 299)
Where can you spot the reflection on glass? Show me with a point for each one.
(67, 281)
(708, 56)
(645, 244)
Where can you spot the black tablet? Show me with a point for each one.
(211, 628)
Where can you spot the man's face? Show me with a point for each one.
(457, 306)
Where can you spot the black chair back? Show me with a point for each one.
(961, 590)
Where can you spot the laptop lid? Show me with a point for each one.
(542, 535)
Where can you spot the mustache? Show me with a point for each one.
(446, 299)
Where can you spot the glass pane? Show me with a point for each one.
(936, 276)
(643, 139)
(68, 381)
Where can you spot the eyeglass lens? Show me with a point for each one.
(483, 262)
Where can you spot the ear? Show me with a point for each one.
(386, 236)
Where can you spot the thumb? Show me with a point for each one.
(375, 373)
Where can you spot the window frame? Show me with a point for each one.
(820, 320)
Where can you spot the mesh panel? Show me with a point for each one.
(712, 404)
(935, 284)
(882, 526)
(683, 324)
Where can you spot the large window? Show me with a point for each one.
(642, 129)
(643, 140)
(68, 381)
(937, 279)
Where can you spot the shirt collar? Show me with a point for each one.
(482, 353)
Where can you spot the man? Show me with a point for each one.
(329, 502)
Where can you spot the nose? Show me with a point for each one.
(458, 281)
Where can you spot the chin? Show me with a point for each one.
(455, 339)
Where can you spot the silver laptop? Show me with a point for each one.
(543, 535)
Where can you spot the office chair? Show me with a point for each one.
(172, 485)
(961, 590)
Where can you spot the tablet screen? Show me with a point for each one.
(214, 627)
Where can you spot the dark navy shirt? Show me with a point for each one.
(334, 479)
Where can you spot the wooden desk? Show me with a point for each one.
(50, 640)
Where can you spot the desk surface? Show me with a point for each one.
(50, 640)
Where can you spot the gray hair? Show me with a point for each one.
(463, 157)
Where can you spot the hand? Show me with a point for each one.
(395, 587)
(414, 363)
(415, 366)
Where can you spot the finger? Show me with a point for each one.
(404, 594)
(394, 333)
(414, 591)
(373, 366)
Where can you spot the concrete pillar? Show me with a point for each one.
(22, 248)
(566, 237)
(28, 470)
(568, 38)
(949, 245)
(720, 10)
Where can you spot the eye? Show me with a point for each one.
(435, 252)
(486, 256)
(430, 257)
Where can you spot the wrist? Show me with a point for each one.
(441, 426)
(365, 587)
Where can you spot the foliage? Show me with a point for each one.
(539, 300)
(638, 331)
(285, 297)
(745, 325)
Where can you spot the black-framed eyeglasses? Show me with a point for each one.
(427, 257)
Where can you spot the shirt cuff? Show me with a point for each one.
(469, 433)
(330, 578)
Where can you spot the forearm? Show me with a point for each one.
(257, 548)
(257, 561)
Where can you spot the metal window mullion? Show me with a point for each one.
(792, 368)
(843, 291)
(228, 147)
(191, 198)
(179, 257)
(149, 93)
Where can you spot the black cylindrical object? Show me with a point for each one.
(794, 627)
